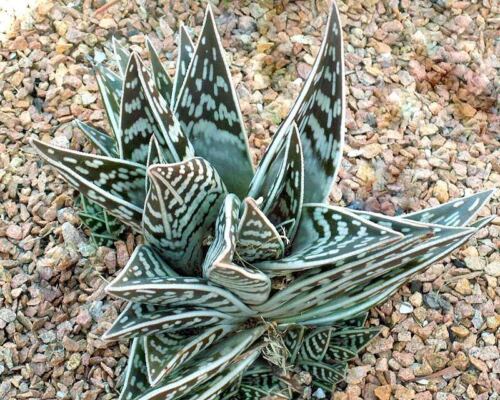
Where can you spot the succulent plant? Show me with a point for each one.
(247, 279)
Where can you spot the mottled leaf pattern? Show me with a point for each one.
(457, 212)
(247, 282)
(204, 367)
(184, 57)
(136, 117)
(318, 112)
(258, 239)
(116, 185)
(162, 80)
(136, 379)
(145, 319)
(104, 143)
(283, 203)
(181, 207)
(110, 88)
(209, 113)
(211, 390)
(122, 56)
(327, 235)
(177, 291)
(167, 351)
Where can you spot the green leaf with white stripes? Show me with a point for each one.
(185, 55)
(162, 79)
(104, 143)
(116, 185)
(247, 282)
(180, 209)
(209, 113)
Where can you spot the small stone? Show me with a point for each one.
(371, 150)
(383, 392)
(416, 299)
(261, 81)
(14, 232)
(88, 98)
(71, 235)
(422, 369)
(7, 315)
(493, 269)
(107, 23)
(70, 345)
(474, 263)
(436, 302)
(366, 172)
(463, 287)
(74, 361)
(61, 27)
(493, 322)
(246, 24)
(357, 374)
(437, 361)
(19, 44)
(460, 331)
(405, 308)
(440, 191)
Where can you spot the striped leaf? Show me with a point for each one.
(185, 55)
(180, 209)
(165, 352)
(204, 367)
(122, 55)
(352, 279)
(366, 293)
(283, 202)
(116, 185)
(136, 118)
(260, 381)
(324, 375)
(110, 89)
(328, 235)
(245, 281)
(293, 339)
(162, 80)
(354, 338)
(176, 291)
(454, 213)
(145, 319)
(318, 112)
(136, 378)
(209, 113)
(104, 143)
(258, 239)
(217, 387)
(148, 113)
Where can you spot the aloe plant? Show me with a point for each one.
(246, 277)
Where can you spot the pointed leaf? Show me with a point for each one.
(165, 352)
(209, 113)
(258, 239)
(184, 57)
(162, 80)
(204, 367)
(148, 113)
(145, 319)
(245, 281)
(212, 389)
(457, 212)
(180, 210)
(103, 142)
(136, 379)
(283, 203)
(114, 184)
(110, 88)
(327, 235)
(137, 122)
(318, 112)
(122, 56)
(354, 338)
(329, 374)
(176, 291)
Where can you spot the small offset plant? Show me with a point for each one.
(249, 284)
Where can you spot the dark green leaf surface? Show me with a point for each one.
(104, 143)
(209, 113)
(184, 57)
(180, 210)
(122, 55)
(160, 75)
(116, 185)
(245, 281)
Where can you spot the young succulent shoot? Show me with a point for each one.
(205, 315)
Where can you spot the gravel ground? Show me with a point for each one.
(422, 128)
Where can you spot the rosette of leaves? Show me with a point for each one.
(246, 278)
